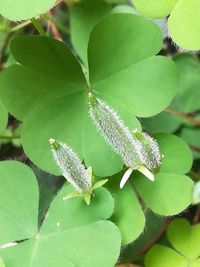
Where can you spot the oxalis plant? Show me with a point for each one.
(93, 163)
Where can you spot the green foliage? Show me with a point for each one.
(69, 226)
(184, 26)
(43, 71)
(1, 263)
(19, 202)
(3, 117)
(183, 21)
(168, 179)
(188, 95)
(184, 239)
(155, 8)
(163, 122)
(21, 9)
(84, 16)
(111, 52)
(127, 210)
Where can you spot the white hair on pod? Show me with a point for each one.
(71, 166)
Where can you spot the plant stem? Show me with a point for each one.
(20, 26)
(9, 137)
(184, 116)
(38, 27)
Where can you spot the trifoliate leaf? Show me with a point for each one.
(70, 226)
(185, 241)
(185, 238)
(57, 88)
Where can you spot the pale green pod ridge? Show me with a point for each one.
(114, 131)
(71, 167)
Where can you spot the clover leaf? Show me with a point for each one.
(184, 239)
(53, 87)
(22, 9)
(188, 95)
(161, 196)
(176, 162)
(183, 20)
(128, 213)
(84, 15)
(68, 227)
(19, 202)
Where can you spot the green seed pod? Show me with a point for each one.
(71, 167)
(138, 150)
(151, 156)
(114, 131)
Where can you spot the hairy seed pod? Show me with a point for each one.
(151, 156)
(71, 167)
(114, 131)
(138, 150)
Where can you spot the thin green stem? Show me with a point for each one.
(38, 27)
(20, 26)
(6, 137)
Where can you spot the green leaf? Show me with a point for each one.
(185, 238)
(177, 155)
(155, 8)
(32, 253)
(18, 202)
(163, 195)
(188, 96)
(163, 122)
(70, 227)
(1, 263)
(70, 110)
(84, 15)
(195, 263)
(22, 10)
(154, 225)
(183, 24)
(55, 104)
(141, 73)
(3, 117)
(101, 63)
(95, 244)
(191, 136)
(127, 212)
(160, 256)
(79, 214)
(22, 87)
